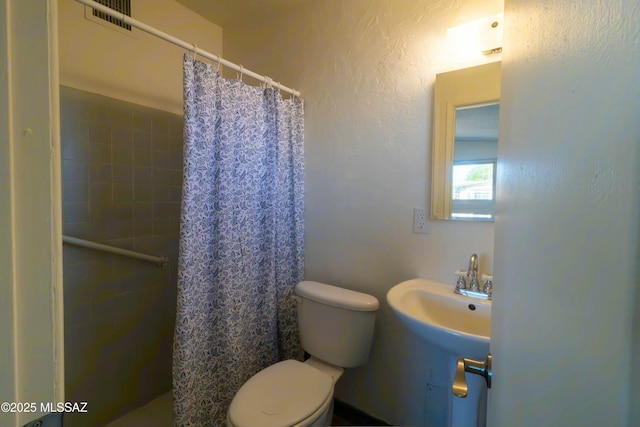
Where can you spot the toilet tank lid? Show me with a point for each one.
(336, 297)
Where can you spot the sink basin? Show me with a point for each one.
(458, 324)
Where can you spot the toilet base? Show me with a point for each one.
(325, 419)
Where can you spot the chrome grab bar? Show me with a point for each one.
(161, 261)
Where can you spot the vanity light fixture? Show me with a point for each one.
(476, 38)
(491, 38)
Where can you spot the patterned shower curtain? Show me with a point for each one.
(241, 240)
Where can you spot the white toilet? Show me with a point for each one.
(336, 329)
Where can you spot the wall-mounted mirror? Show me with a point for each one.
(465, 143)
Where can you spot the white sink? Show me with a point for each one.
(458, 324)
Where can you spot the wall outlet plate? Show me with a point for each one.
(420, 221)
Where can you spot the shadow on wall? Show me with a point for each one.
(122, 183)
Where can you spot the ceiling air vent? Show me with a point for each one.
(122, 6)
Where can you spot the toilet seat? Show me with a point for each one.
(284, 394)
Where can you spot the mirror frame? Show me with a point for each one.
(454, 89)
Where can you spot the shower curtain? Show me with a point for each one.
(241, 240)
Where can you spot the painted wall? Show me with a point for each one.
(366, 70)
(135, 67)
(568, 214)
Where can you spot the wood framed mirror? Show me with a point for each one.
(464, 155)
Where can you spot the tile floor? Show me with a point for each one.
(158, 413)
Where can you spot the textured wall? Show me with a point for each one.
(122, 177)
(366, 70)
(132, 66)
(568, 213)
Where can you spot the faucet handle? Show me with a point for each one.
(488, 287)
(488, 284)
(461, 283)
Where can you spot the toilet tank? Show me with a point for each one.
(336, 324)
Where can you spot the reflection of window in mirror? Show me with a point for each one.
(473, 177)
(473, 187)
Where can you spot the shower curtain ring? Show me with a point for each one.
(241, 72)
(195, 51)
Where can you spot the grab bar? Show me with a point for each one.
(161, 261)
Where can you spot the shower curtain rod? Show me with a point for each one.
(191, 47)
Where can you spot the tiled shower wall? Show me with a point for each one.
(122, 177)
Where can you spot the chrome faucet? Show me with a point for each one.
(472, 273)
(473, 289)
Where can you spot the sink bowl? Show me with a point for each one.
(458, 324)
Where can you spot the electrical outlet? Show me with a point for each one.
(420, 221)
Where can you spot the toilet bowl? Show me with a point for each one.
(336, 329)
